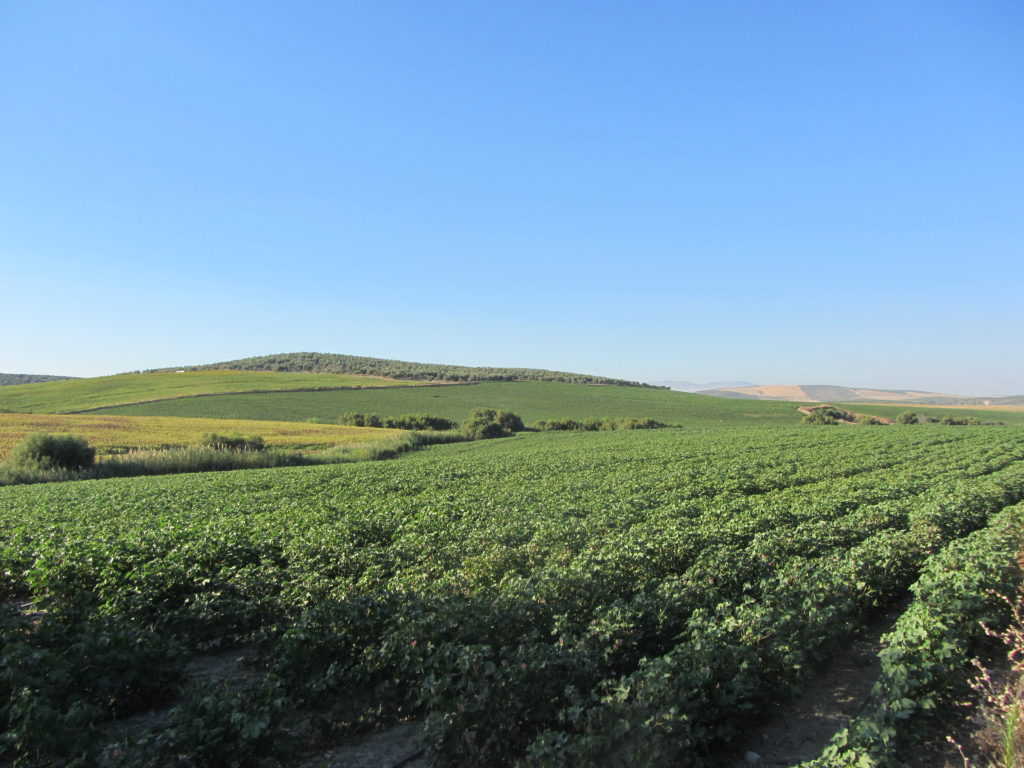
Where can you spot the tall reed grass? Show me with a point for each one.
(177, 460)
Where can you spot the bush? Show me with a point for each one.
(865, 418)
(907, 417)
(828, 414)
(233, 442)
(970, 421)
(597, 425)
(353, 419)
(818, 417)
(421, 421)
(42, 450)
(486, 423)
(415, 421)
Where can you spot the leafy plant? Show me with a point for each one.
(44, 451)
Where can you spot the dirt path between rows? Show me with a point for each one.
(800, 729)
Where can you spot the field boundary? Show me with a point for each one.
(260, 392)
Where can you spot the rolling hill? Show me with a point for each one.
(532, 400)
(318, 362)
(76, 395)
(827, 393)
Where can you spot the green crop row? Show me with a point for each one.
(590, 598)
(924, 656)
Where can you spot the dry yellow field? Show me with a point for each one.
(787, 391)
(113, 434)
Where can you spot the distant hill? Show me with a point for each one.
(78, 395)
(689, 386)
(317, 362)
(8, 379)
(827, 393)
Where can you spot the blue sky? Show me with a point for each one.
(788, 192)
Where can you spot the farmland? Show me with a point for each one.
(71, 395)
(555, 599)
(116, 434)
(1007, 414)
(531, 400)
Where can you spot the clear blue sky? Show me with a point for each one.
(783, 192)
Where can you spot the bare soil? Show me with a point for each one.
(400, 746)
(800, 729)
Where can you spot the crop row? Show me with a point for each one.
(561, 599)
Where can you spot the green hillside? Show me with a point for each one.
(317, 362)
(70, 395)
(531, 400)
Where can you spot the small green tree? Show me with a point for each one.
(818, 417)
(907, 417)
(42, 450)
(485, 423)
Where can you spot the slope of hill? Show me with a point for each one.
(532, 400)
(11, 379)
(317, 362)
(689, 386)
(827, 393)
(72, 395)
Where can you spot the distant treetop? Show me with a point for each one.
(315, 362)
(27, 378)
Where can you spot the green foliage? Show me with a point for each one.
(415, 421)
(592, 598)
(223, 728)
(968, 421)
(487, 423)
(828, 414)
(315, 362)
(906, 417)
(596, 425)
(219, 456)
(868, 420)
(531, 400)
(987, 416)
(43, 451)
(925, 657)
(233, 442)
(81, 395)
(818, 417)
(10, 379)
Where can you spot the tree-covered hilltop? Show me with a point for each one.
(316, 362)
(27, 378)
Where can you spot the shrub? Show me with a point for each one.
(818, 417)
(42, 450)
(233, 442)
(828, 414)
(353, 419)
(969, 421)
(907, 417)
(420, 421)
(485, 423)
(865, 418)
(597, 425)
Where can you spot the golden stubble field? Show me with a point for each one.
(114, 434)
